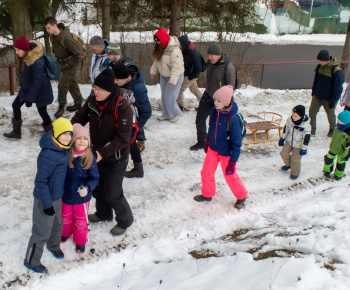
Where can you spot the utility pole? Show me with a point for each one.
(345, 55)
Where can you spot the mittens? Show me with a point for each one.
(83, 191)
(49, 211)
(331, 105)
(303, 152)
(281, 142)
(231, 168)
(206, 146)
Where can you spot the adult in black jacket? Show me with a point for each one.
(35, 86)
(193, 67)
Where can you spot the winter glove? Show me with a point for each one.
(83, 191)
(231, 168)
(281, 142)
(29, 104)
(303, 152)
(206, 146)
(49, 211)
(331, 105)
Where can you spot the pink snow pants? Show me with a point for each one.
(74, 222)
(210, 165)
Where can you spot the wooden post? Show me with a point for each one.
(345, 55)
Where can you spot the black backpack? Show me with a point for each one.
(52, 67)
(203, 62)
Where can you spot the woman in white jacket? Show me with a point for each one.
(169, 64)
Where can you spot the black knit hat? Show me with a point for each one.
(105, 80)
(300, 110)
(121, 72)
(323, 55)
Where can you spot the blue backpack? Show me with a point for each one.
(52, 67)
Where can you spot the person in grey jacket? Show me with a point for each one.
(99, 60)
(220, 72)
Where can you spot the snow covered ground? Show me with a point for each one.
(292, 234)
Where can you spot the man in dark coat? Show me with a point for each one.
(220, 72)
(69, 54)
(193, 67)
(111, 142)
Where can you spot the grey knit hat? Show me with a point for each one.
(214, 49)
(323, 55)
(113, 48)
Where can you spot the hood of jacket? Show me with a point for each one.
(173, 44)
(46, 142)
(64, 31)
(184, 41)
(223, 60)
(35, 53)
(163, 36)
(333, 61)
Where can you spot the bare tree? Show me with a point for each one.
(106, 17)
(175, 18)
(20, 19)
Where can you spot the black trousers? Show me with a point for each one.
(135, 152)
(18, 103)
(109, 194)
(205, 105)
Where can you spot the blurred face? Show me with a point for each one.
(113, 57)
(52, 29)
(97, 49)
(218, 105)
(81, 144)
(65, 138)
(122, 82)
(100, 94)
(213, 58)
(295, 117)
(323, 62)
(19, 52)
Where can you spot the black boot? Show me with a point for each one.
(16, 129)
(73, 108)
(198, 146)
(240, 203)
(201, 198)
(47, 127)
(60, 111)
(137, 171)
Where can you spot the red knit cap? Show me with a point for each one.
(224, 94)
(22, 43)
(163, 36)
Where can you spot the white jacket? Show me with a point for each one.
(98, 64)
(298, 136)
(171, 64)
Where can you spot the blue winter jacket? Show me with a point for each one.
(79, 176)
(51, 173)
(326, 87)
(34, 82)
(217, 136)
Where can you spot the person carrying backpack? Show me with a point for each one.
(69, 54)
(223, 147)
(193, 67)
(110, 137)
(220, 72)
(326, 90)
(35, 86)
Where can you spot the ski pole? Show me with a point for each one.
(92, 250)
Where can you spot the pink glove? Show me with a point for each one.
(83, 191)
(231, 168)
(206, 146)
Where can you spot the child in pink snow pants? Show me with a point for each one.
(223, 145)
(82, 177)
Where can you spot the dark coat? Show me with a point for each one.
(51, 173)
(35, 84)
(79, 176)
(192, 58)
(112, 144)
(217, 134)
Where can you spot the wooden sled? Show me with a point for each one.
(266, 122)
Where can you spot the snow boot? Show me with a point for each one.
(16, 129)
(58, 254)
(198, 146)
(117, 231)
(294, 177)
(64, 239)
(201, 198)
(37, 269)
(240, 203)
(47, 127)
(73, 108)
(80, 249)
(326, 174)
(285, 167)
(93, 218)
(330, 133)
(60, 111)
(137, 171)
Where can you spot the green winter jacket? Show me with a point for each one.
(339, 143)
(66, 49)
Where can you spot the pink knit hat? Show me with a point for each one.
(224, 94)
(80, 131)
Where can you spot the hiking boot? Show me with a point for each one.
(60, 111)
(64, 239)
(326, 174)
(240, 203)
(285, 167)
(137, 171)
(73, 108)
(197, 146)
(201, 198)
(141, 145)
(293, 177)
(58, 254)
(16, 130)
(47, 127)
(80, 249)
(93, 218)
(330, 133)
(313, 133)
(117, 231)
(162, 118)
(37, 269)
(337, 177)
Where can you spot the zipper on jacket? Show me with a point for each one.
(216, 126)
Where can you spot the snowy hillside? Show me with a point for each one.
(292, 234)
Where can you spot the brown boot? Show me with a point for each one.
(16, 129)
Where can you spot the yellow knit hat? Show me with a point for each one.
(60, 126)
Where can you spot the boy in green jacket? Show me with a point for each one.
(339, 147)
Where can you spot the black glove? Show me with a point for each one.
(49, 211)
(331, 105)
(29, 104)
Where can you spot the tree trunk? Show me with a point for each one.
(46, 35)
(20, 19)
(106, 19)
(175, 18)
(345, 56)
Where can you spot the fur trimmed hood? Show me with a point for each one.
(35, 53)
